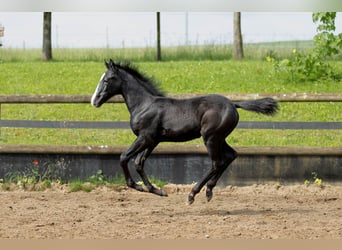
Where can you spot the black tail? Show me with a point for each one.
(266, 106)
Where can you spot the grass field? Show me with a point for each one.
(79, 75)
(257, 51)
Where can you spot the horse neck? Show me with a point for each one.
(135, 95)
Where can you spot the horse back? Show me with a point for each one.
(181, 119)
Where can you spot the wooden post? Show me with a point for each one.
(0, 119)
(47, 48)
(238, 46)
(158, 38)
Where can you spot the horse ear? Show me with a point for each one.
(111, 63)
(107, 64)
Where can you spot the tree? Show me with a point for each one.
(47, 48)
(238, 46)
(313, 64)
(326, 42)
(158, 38)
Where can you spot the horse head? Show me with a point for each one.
(109, 85)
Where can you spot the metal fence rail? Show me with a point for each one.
(125, 125)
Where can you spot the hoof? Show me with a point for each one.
(136, 187)
(157, 191)
(139, 188)
(209, 194)
(191, 199)
(162, 193)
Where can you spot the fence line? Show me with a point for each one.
(290, 97)
(126, 125)
(75, 99)
(254, 164)
(170, 150)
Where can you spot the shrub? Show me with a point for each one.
(313, 65)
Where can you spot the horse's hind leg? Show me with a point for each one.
(214, 149)
(139, 164)
(228, 156)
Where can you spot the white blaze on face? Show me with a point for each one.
(97, 88)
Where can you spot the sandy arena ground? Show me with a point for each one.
(253, 212)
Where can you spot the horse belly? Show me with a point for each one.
(179, 132)
(180, 121)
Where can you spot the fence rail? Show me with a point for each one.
(126, 125)
(76, 99)
(293, 97)
(170, 150)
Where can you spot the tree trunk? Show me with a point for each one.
(158, 38)
(238, 46)
(47, 48)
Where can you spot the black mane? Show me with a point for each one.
(148, 83)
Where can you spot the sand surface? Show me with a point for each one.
(252, 212)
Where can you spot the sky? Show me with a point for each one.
(138, 29)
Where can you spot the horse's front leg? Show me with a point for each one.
(134, 149)
(139, 164)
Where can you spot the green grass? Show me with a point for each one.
(27, 180)
(175, 77)
(179, 53)
(20, 182)
(78, 185)
(77, 75)
(240, 137)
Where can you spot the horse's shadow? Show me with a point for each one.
(239, 212)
